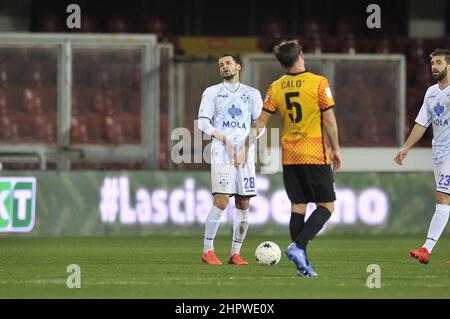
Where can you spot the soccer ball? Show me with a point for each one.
(268, 253)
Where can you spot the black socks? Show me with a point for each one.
(296, 224)
(312, 226)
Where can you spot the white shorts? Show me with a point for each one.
(227, 179)
(442, 177)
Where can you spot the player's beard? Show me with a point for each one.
(439, 76)
(230, 76)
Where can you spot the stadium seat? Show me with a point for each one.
(106, 76)
(133, 102)
(365, 45)
(348, 25)
(9, 101)
(82, 101)
(94, 126)
(112, 130)
(81, 72)
(312, 44)
(422, 76)
(119, 24)
(39, 101)
(49, 22)
(330, 44)
(159, 26)
(89, 24)
(10, 129)
(110, 101)
(347, 44)
(45, 128)
(38, 75)
(313, 27)
(26, 127)
(416, 51)
(78, 130)
(398, 45)
(273, 31)
(10, 74)
(130, 126)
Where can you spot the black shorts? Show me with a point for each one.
(309, 183)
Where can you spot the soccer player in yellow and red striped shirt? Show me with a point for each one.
(305, 103)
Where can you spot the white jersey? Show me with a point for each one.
(435, 110)
(231, 109)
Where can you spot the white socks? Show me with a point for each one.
(211, 226)
(437, 226)
(240, 226)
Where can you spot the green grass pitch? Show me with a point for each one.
(170, 267)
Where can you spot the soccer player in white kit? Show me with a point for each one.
(435, 111)
(227, 111)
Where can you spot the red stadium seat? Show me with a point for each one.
(82, 101)
(275, 28)
(106, 76)
(79, 130)
(159, 26)
(94, 125)
(10, 129)
(348, 25)
(312, 44)
(133, 104)
(45, 128)
(130, 127)
(38, 75)
(39, 101)
(112, 130)
(10, 74)
(109, 102)
(89, 24)
(273, 31)
(347, 44)
(49, 22)
(9, 101)
(26, 132)
(330, 44)
(119, 24)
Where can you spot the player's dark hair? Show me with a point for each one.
(441, 52)
(287, 52)
(235, 58)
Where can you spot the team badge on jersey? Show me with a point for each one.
(245, 98)
(439, 109)
(234, 111)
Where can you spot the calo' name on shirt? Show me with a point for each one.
(291, 84)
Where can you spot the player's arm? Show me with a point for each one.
(416, 134)
(205, 115)
(329, 122)
(258, 126)
(423, 120)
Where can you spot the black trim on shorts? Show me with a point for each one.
(442, 192)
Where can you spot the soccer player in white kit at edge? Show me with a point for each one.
(435, 111)
(227, 111)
